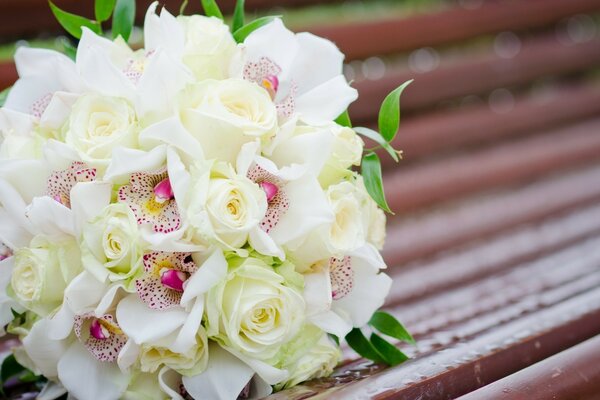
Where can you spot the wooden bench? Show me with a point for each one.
(495, 245)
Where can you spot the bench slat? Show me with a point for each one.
(418, 237)
(475, 74)
(362, 40)
(418, 186)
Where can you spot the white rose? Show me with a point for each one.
(224, 115)
(377, 220)
(346, 151)
(253, 311)
(190, 363)
(348, 231)
(312, 354)
(111, 245)
(209, 46)
(42, 272)
(226, 205)
(98, 124)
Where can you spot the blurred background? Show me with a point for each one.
(497, 200)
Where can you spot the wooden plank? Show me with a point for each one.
(510, 322)
(420, 236)
(571, 374)
(475, 74)
(422, 185)
(362, 40)
(450, 130)
(8, 74)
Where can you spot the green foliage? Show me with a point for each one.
(389, 325)
(241, 34)
(344, 119)
(389, 113)
(74, 23)
(123, 18)
(371, 172)
(391, 354)
(4, 95)
(103, 9)
(211, 9)
(360, 344)
(377, 138)
(238, 16)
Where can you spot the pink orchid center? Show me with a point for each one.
(98, 330)
(173, 279)
(163, 191)
(271, 83)
(270, 189)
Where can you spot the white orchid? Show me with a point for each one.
(302, 72)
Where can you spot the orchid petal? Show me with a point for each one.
(45, 353)
(126, 161)
(211, 272)
(326, 101)
(89, 379)
(51, 218)
(88, 199)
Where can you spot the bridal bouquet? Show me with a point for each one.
(187, 220)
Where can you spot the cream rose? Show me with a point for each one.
(224, 115)
(111, 246)
(348, 231)
(312, 354)
(253, 311)
(190, 363)
(346, 151)
(42, 272)
(209, 46)
(98, 124)
(224, 204)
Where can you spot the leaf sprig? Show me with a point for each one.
(376, 348)
(388, 122)
(123, 17)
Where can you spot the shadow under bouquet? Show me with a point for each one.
(188, 219)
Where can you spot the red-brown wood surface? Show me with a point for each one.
(361, 40)
(571, 374)
(474, 74)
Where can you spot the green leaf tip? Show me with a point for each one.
(238, 16)
(390, 353)
(390, 326)
(103, 9)
(211, 9)
(361, 345)
(72, 23)
(123, 19)
(389, 113)
(241, 34)
(371, 172)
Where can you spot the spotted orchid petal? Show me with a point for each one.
(165, 277)
(150, 202)
(277, 199)
(60, 183)
(341, 274)
(102, 336)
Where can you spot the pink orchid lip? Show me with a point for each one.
(270, 189)
(163, 191)
(271, 83)
(173, 279)
(98, 331)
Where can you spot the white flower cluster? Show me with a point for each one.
(183, 221)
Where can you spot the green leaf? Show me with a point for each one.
(211, 9)
(371, 172)
(123, 18)
(10, 367)
(390, 353)
(238, 16)
(103, 9)
(377, 138)
(73, 23)
(4, 95)
(389, 113)
(68, 48)
(344, 119)
(389, 325)
(360, 344)
(334, 338)
(241, 34)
